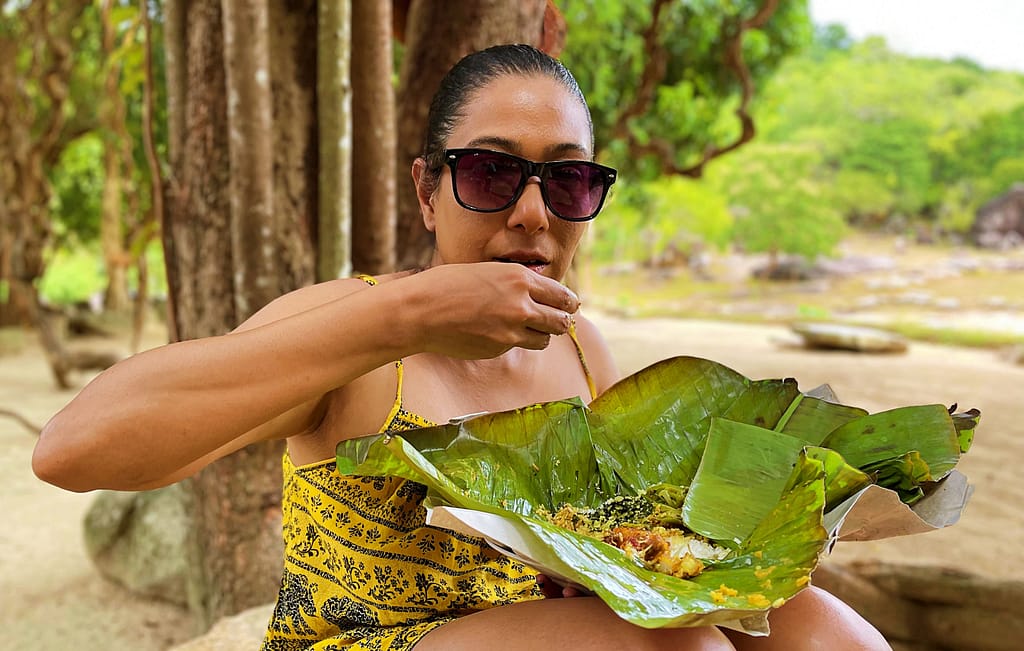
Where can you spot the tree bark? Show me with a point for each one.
(116, 165)
(253, 231)
(438, 34)
(373, 139)
(334, 106)
(238, 233)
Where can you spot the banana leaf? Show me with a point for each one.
(756, 457)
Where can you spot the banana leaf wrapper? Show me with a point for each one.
(772, 473)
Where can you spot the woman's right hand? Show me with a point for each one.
(481, 310)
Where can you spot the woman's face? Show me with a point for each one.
(532, 117)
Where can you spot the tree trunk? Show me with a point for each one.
(438, 34)
(115, 165)
(373, 142)
(240, 205)
(334, 105)
(115, 258)
(34, 130)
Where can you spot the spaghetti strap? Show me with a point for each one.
(397, 406)
(583, 359)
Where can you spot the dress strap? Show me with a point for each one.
(397, 406)
(583, 359)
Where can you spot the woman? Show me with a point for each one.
(506, 185)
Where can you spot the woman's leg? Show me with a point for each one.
(814, 620)
(578, 624)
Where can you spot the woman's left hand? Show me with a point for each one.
(554, 590)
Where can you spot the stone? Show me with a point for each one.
(241, 632)
(834, 336)
(999, 224)
(139, 541)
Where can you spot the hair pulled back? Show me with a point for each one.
(472, 73)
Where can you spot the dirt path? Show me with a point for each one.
(54, 599)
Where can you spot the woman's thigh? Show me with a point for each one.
(814, 620)
(579, 623)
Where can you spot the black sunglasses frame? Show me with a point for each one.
(529, 169)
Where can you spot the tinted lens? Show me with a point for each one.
(487, 181)
(575, 189)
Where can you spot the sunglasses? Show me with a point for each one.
(491, 181)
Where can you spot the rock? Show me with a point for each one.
(241, 632)
(138, 540)
(787, 269)
(999, 224)
(924, 607)
(1015, 354)
(836, 336)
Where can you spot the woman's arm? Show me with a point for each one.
(163, 414)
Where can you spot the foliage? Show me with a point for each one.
(900, 136)
(78, 184)
(78, 176)
(844, 129)
(73, 274)
(693, 101)
(778, 196)
(672, 215)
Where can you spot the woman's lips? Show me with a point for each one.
(534, 264)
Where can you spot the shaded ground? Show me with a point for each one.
(54, 599)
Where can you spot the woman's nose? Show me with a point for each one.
(530, 214)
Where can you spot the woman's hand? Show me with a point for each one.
(554, 590)
(481, 310)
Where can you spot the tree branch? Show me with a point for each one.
(734, 61)
(653, 74)
(29, 425)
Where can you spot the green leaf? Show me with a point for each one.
(890, 434)
(842, 480)
(741, 476)
(651, 426)
(814, 419)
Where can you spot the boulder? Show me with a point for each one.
(999, 224)
(835, 336)
(934, 608)
(241, 632)
(139, 541)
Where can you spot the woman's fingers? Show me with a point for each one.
(554, 590)
(546, 291)
(483, 309)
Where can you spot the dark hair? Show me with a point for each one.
(469, 75)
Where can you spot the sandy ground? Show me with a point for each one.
(54, 599)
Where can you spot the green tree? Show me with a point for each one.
(896, 133)
(695, 67)
(894, 151)
(777, 198)
(674, 216)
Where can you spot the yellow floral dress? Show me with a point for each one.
(363, 571)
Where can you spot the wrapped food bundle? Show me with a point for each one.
(686, 494)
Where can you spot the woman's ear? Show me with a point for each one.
(424, 192)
